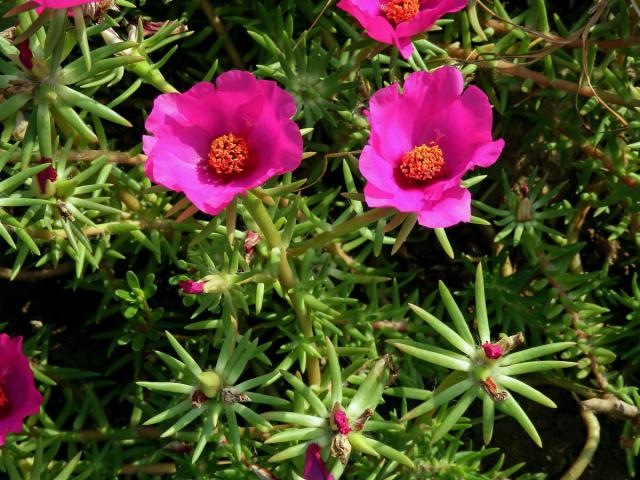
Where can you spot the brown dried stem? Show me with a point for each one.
(35, 275)
(515, 70)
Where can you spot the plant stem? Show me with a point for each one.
(345, 227)
(589, 449)
(287, 277)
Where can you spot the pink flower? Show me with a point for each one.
(61, 3)
(492, 350)
(423, 141)
(189, 286)
(215, 142)
(396, 21)
(19, 397)
(314, 467)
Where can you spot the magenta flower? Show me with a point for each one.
(49, 174)
(19, 397)
(61, 3)
(26, 55)
(215, 142)
(396, 21)
(492, 350)
(341, 421)
(192, 287)
(423, 141)
(314, 467)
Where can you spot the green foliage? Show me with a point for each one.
(335, 306)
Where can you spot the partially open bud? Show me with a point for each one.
(492, 351)
(192, 287)
(26, 56)
(46, 178)
(210, 383)
(251, 240)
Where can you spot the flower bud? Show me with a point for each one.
(492, 351)
(525, 211)
(210, 383)
(191, 287)
(215, 284)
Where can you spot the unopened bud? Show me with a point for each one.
(524, 212)
(210, 383)
(215, 284)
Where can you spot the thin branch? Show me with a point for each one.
(515, 70)
(591, 445)
(612, 406)
(220, 29)
(35, 275)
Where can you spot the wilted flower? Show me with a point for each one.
(423, 141)
(314, 467)
(19, 397)
(396, 21)
(215, 142)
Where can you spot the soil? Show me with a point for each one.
(563, 435)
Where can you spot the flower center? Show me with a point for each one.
(228, 154)
(422, 163)
(4, 402)
(398, 11)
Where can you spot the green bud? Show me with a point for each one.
(525, 212)
(65, 188)
(210, 383)
(216, 284)
(481, 372)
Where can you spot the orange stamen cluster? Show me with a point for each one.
(398, 11)
(422, 163)
(228, 154)
(4, 401)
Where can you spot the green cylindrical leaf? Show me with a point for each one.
(75, 98)
(513, 408)
(433, 357)
(525, 390)
(449, 335)
(488, 415)
(456, 315)
(481, 307)
(535, 352)
(188, 360)
(454, 414)
(536, 366)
